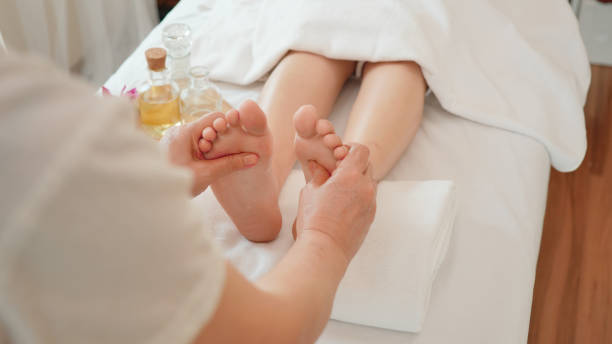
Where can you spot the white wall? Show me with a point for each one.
(89, 37)
(596, 28)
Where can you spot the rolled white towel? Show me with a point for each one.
(389, 281)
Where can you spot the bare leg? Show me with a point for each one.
(387, 112)
(300, 78)
(250, 197)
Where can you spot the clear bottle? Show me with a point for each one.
(201, 97)
(158, 100)
(177, 40)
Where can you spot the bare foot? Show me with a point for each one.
(316, 140)
(250, 197)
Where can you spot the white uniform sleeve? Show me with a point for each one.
(107, 246)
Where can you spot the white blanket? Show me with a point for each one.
(389, 281)
(518, 65)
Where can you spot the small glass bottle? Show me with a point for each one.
(177, 40)
(201, 97)
(158, 100)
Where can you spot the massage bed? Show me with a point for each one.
(483, 290)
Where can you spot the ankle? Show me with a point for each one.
(280, 175)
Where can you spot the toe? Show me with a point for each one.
(340, 152)
(324, 127)
(204, 145)
(209, 133)
(233, 117)
(305, 120)
(220, 125)
(252, 118)
(332, 141)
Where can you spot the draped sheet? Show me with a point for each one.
(517, 65)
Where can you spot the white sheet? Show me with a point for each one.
(483, 290)
(518, 65)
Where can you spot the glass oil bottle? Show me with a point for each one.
(201, 97)
(158, 100)
(177, 41)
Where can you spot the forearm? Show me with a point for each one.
(306, 280)
(290, 304)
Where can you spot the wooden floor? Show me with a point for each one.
(573, 290)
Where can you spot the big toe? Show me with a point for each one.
(305, 121)
(253, 118)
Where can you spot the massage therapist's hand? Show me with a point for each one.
(181, 145)
(340, 206)
(292, 302)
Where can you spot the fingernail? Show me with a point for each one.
(250, 160)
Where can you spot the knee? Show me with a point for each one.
(401, 71)
(409, 65)
(305, 55)
(343, 67)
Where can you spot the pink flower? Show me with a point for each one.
(131, 94)
(106, 91)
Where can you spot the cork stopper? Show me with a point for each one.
(156, 58)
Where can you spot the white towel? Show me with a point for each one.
(518, 65)
(389, 281)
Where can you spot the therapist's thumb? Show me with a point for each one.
(318, 172)
(217, 168)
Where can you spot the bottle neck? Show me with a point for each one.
(159, 77)
(200, 81)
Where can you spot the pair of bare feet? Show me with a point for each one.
(250, 197)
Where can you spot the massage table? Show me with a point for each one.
(483, 291)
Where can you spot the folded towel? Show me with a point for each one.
(388, 283)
